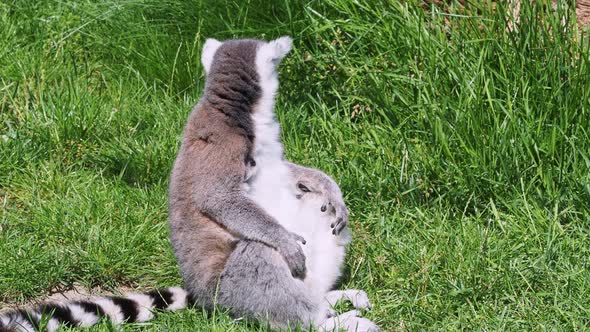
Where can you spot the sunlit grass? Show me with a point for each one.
(463, 150)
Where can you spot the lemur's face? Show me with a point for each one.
(307, 193)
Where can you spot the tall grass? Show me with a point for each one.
(462, 147)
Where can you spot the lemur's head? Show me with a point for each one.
(264, 55)
(314, 195)
(251, 61)
(311, 192)
(306, 191)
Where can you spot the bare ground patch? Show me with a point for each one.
(74, 293)
(582, 8)
(583, 12)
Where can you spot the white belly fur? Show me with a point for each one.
(272, 189)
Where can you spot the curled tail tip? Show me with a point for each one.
(180, 298)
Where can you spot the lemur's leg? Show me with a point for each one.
(357, 297)
(256, 283)
(350, 321)
(321, 183)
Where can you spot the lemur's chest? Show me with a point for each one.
(270, 184)
(270, 187)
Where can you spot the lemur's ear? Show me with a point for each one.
(209, 48)
(276, 50)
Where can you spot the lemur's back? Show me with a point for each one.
(202, 245)
(210, 166)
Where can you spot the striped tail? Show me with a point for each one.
(131, 308)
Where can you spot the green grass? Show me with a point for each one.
(463, 150)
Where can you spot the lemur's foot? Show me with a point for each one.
(359, 324)
(358, 298)
(350, 322)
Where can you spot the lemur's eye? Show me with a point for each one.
(303, 188)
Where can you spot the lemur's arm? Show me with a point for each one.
(244, 218)
(316, 180)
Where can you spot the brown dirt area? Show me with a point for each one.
(582, 7)
(583, 12)
(76, 292)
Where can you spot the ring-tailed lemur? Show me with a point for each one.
(231, 250)
(236, 241)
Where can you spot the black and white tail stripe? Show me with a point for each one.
(131, 308)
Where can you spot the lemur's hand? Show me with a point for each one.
(335, 206)
(293, 255)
